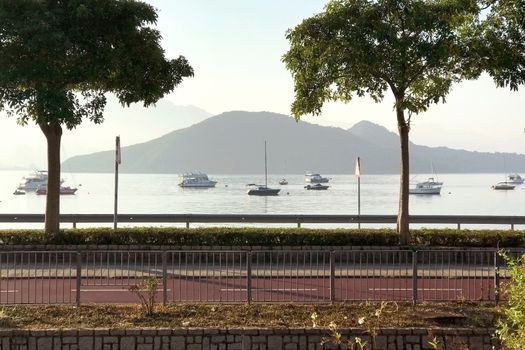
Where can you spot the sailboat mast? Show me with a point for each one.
(265, 167)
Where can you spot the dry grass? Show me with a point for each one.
(243, 315)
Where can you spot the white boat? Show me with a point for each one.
(425, 188)
(504, 185)
(263, 190)
(317, 187)
(315, 178)
(283, 181)
(64, 190)
(32, 182)
(515, 179)
(196, 180)
(431, 182)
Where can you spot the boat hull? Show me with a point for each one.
(263, 192)
(198, 185)
(431, 190)
(316, 187)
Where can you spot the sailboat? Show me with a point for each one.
(263, 190)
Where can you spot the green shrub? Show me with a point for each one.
(224, 236)
(511, 328)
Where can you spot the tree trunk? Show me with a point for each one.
(402, 216)
(53, 133)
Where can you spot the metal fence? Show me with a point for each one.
(71, 277)
(294, 219)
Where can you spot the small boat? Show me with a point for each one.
(425, 188)
(504, 185)
(283, 182)
(196, 180)
(431, 182)
(263, 190)
(317, 187)
(315, 178)
(515, 179)
(19, 192)
(65, 190)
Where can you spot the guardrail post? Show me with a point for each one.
(79, 277)
(187, 224)
(414, 277)
(249, 276)
(332, 276)
(298, 225)
(496, 277)
(164, 277)
(74, 224)
(512, 227)
(459, 226)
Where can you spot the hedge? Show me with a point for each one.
(223, 236)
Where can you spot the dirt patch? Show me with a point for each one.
(365, 315)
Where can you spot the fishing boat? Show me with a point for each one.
(263, 190)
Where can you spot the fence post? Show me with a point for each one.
(332, 276)
(164, 277)
(414, 277)
(298, 225)
(249, 276)
(79, 277)
(496, 277)
(74, 224)
(187, 224)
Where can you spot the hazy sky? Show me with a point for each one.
(235, 48)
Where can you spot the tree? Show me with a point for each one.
(362, 47)
(503, 42)
(59, 57)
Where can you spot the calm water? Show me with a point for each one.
(468, 194)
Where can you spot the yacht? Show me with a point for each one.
(263, 190)
(315, 178)
(196, 180)
(431, 182)
(504, 185)
(283, 181)
(515, 179)
(317, 187)
(426, 188)
(63, 190)
(31, 182)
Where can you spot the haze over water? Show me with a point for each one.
(462, 194)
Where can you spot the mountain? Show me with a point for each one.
(233, 143)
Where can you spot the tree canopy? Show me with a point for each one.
(59, 57)
(414, 48)
(503, 39)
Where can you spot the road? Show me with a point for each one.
(235, 289)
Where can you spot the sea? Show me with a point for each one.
(462, 194)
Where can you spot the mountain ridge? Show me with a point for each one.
(233, 143)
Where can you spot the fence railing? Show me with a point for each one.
(71, 277)
(188, 219)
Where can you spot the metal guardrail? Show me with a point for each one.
(75, 277)
(269, 219)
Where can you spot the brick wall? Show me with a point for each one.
(240, 339)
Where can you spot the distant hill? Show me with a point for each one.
(233, 143)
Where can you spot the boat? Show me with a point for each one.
(315, 178)
(426, 187)
(65, 190)
(431, 182)
(515, 179)
(263, 190)
(316, 187)
(283, 181)
(19, 192)
(196, 180)
(504, 185)
(32, 182)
